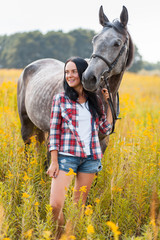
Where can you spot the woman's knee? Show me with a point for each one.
(56, 205)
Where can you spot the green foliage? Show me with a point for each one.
(151, 66)
(20, 49)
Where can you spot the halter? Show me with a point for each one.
(113, 64)
(105, 79)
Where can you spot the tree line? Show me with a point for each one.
(20, 49)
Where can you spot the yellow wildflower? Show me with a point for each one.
(25, 195)
(34, 161)
(10, 175)
(88, 210)
(152, 222)
(90, 229)
(72, 237)
(64, 237)
(74, 190)
(97, 200)
(116, 189)
(114, 228)
(33, 139)
(71, 172)
(6, 239)
(42, 182)
(26, 177)
(83, 189)
(36, 204)
(28, 233)
(47, 234)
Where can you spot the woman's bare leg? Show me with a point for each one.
(83, 179)
(57, 198)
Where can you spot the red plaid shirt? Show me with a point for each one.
(63, 129)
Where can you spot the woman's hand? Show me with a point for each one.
(105, 94)
(53, 169)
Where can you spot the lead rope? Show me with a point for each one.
(114, 116)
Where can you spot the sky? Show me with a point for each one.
(66, 15)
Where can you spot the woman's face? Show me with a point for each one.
(72, 76)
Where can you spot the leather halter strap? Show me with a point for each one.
(113, 64)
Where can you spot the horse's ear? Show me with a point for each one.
(124, 16)
(102, 17)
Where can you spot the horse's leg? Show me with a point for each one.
(104, 140)
(43, 138)
(27, 129)
(48, 158)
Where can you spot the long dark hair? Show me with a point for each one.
(93, 102)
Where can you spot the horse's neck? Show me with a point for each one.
(114, 83)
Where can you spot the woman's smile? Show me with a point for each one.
(72, 76)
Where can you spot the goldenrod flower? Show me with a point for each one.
(83, 189)
(25, 195)
(114, 228)
(10, 175)
(28, 233)
(71, 172)
(47, 234)
(26, 177)
(34, 161)
(72, 237)
(74, 190)
(36, 204)
(88, 210)
(97, 200)
(90, 229)
(64, 237)
(116, 189)
(42, 182)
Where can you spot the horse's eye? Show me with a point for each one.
(117, 43)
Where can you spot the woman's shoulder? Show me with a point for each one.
(60, 97)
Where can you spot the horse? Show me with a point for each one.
(113, 52)
(42, 79)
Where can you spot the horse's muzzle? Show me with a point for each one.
(90, 83)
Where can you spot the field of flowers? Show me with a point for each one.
(124, 200)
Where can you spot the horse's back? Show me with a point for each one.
(37, 85)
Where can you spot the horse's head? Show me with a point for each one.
(111, 51)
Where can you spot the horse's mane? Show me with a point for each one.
(130, 52)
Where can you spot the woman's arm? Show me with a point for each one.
(55, 131)
(53, 169)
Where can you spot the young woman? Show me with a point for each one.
(76, 117)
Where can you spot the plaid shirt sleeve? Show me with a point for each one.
(55, 124)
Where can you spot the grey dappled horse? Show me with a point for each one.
(42, 79)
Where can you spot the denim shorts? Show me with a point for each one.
(78, 164)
